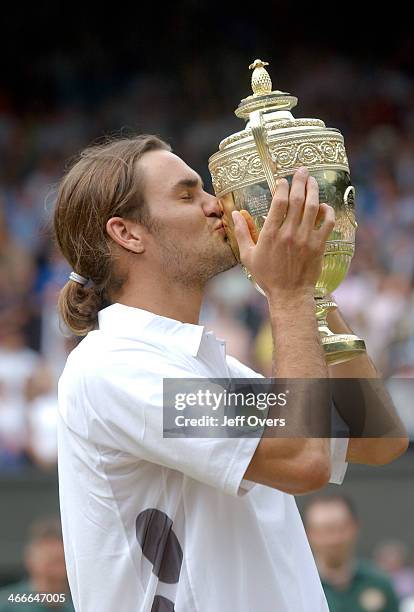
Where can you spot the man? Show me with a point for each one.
(350, 584)
(47, 585)
(393, 557)
(161, 524)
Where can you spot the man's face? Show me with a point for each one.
(186, 236)
(332, 532)
(45, 563)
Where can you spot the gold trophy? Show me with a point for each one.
(273, 145)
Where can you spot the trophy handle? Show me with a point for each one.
(259, 135)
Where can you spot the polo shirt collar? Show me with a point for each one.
(135, 323)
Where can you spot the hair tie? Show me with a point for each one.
(78, 278)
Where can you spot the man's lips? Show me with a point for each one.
(220, 227)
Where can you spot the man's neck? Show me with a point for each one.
(174, 301)
(338, 576)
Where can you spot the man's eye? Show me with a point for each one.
(187, 196)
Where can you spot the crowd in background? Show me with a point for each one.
(372, 106)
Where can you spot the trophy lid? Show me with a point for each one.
(289, 142)
(263, 97)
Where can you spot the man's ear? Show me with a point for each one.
(127, 233)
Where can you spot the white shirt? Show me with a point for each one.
(161, 524)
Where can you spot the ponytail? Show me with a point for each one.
(79, 306)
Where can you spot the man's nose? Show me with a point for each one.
(212, 206)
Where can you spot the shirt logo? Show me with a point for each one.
(372, 600)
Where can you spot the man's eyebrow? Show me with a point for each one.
(191, 183)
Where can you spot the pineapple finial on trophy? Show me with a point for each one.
(261, 81)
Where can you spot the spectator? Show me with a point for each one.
(350, 584)
(45, 564)
(41, 416)
(392, 557)
(17, 363)
(17, 269)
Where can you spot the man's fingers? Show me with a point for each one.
(254, 232)
(327, 218)
(311, 209)
(297, 196)
(278, 207)
(242, 233)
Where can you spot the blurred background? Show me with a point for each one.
(70, 76)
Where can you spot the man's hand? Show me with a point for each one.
(287, 258)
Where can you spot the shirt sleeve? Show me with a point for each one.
(338, 446)
(124, 411)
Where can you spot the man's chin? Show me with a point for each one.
(227, 262)
(232, 257)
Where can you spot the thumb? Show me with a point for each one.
(242, 233)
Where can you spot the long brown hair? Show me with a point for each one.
(102, 182)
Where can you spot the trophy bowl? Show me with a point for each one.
(274, 144)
